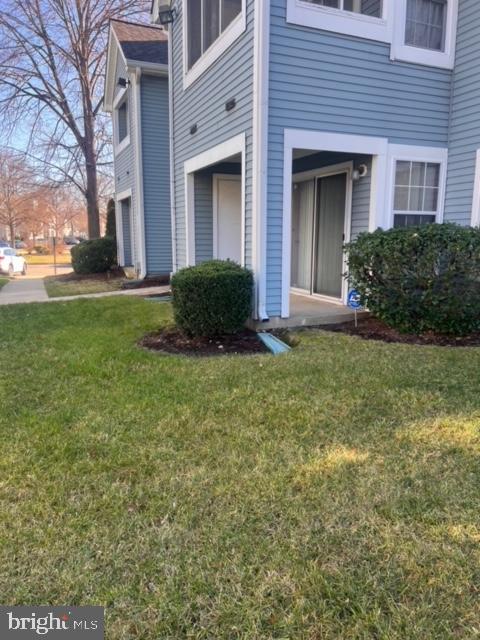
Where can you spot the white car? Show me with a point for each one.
(12, 263)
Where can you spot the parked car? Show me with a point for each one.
(4, 244)
(19, 244)
(12, 263)
(71, 240)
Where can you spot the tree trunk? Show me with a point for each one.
(91, 195)
(11, 228)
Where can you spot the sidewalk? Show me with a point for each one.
(23, 290)
(33, 290)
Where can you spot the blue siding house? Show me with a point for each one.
(297, 124)
(137, 96)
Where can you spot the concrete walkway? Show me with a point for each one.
(27, 290)
(21, 290)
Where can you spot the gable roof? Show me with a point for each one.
(138, 45)
(141, 43)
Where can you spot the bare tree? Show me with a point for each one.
(52, 61)
(16, 192)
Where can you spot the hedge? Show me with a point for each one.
(420, 279)
(94, 256)
(212, 299)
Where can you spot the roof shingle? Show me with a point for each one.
(141, 42)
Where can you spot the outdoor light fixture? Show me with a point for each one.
(193, 129)
(166, 17)
(123, 82)
(361, 172)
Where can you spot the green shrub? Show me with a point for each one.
(111, 227)
(94, 256)
(420, 279)
(212, 299)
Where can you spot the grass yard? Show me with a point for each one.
(73, 285)
(3, 282)
(332, 493)
(62, 258)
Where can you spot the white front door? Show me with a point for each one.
(227, 218)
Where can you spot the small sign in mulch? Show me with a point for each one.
(173, 341)
(373, 329)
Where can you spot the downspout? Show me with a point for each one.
(261, 46)
(172, 149)
(137, 75)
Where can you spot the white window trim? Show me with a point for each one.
(406, 53)
(436, 155)
(119, 146)
(340, 21)
(475, 220)
(223, 151)
(216, 49)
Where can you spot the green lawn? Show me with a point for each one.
(3, 282)
(71, 285)
(332, 493)
(62, 258)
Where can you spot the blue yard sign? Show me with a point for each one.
(354, 300)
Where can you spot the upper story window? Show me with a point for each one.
(369, 19)
(207, 20)
(122, 124)
(419, 31)
(122, 116)
(425, 32)
(372, 8)
(425, 24)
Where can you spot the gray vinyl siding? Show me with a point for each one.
(329, 82)
(204, 209)
(156, 174)
(203, 104)
(465, 121)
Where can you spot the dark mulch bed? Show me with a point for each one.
(113, 274)
(172, 341)
(373, 329)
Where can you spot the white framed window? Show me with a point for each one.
(210, 27)
(371, 19)
(417, 185)
(425, 32)
(122, 121)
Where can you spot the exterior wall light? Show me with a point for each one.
(167, 17)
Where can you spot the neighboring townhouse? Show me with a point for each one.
(297, 124)
(137, 96)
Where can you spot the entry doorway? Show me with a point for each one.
(227, 217)
(321, 222)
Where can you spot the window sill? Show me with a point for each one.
(121, 146)
(426, 57)
(217, 49)
(339, 21)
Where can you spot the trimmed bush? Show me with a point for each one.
(420, 279)
(111, 227)
(212, 299)
(94, 256)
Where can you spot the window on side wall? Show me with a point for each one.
(416, 194)
(122, 121)
(207, 20)
(426, 23)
